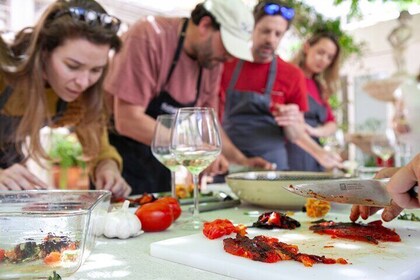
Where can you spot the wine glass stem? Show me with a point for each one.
(196, 199)
(173, 187)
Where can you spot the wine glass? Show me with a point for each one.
(335, 143)
(195, 143)
(383, 144)
(161, 146)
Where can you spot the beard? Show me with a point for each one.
(264, 52)
(205, 55)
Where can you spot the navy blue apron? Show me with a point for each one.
(249, 123)
(142, 171)
(299, 159)
(9, 155)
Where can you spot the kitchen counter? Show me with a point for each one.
(131, 259)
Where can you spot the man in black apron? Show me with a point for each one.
(250, 109)
(217, 30)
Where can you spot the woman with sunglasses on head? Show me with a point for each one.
(52, 76)
(319, 60)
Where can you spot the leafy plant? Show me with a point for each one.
(308, 21)
(66, 151)
(55, 276)
(355, 10)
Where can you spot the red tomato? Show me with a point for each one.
(220, 227)
(173, 203)
(1, 255)
(155, 216)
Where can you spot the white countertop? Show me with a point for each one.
(130, 258)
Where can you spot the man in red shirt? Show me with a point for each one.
(262, 101)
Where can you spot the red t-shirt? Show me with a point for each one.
(289, 86)
(315, 94)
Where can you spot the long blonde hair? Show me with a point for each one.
(327, 81)
(22, 68)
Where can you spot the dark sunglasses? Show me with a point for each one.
(276, 9)
(92, 18)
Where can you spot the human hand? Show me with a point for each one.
(329, 159)
(403, 181)
(259, 162)
(17, 177)
(217, 167)
(287, 114)
(313, 131)
(389, 212)
(108, 177)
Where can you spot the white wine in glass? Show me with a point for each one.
(195, 143)
(161, 146)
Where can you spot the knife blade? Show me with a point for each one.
(369, 192)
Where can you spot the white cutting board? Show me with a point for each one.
(388, 260)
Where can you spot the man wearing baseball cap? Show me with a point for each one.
(165, 64)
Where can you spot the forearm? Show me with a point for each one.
(309, 145)
(131, 121)
(295, 132)
(230, 151)
(327, 129)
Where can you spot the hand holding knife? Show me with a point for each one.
(369, 192)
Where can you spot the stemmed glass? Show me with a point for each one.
(335, 143)
(384, 144)
(195, 143)
(161, 146)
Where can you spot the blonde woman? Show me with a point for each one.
(319, 61)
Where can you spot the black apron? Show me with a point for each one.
(9, 155)
(299, 159)
(142, 171)
(249, 123)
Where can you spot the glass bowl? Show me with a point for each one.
(266, 188)
(46, 231)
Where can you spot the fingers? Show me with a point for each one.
(386, 172)
(362, 211)
(34, 180)
(354, 213)
(391, 212)
(17, 177)
(400, 184)
(114, 183)
(262, 163)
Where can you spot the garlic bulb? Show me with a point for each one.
(121, 223)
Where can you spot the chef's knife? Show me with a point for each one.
(369, 192)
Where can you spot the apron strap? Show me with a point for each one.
(176, 58)
(235, 75)
(61, 107)
(272, 72)
(5, 95)
(198, 85)
(178, 50)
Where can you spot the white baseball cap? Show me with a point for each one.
(236, 25)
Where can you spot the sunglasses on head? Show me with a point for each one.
(92, 18)
(276, 9)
